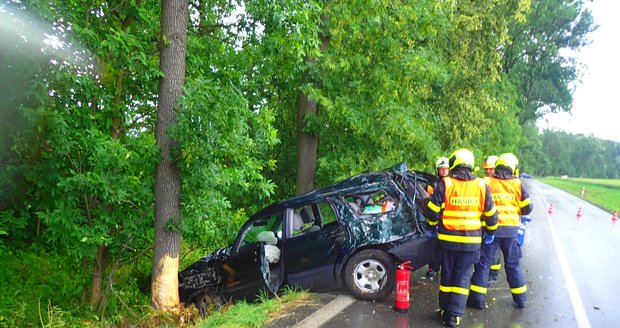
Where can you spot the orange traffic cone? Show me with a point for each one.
(579, 213)
(615, 217)
(550, 209)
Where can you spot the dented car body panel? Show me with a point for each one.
(307, 240)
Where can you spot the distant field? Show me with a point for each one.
(602, 192)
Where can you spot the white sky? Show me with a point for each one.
(596, 103)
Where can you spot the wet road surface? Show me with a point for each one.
(572, 269)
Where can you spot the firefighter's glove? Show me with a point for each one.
(489, 239)
(525, 220)
(431, 231)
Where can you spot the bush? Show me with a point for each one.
(45, 288)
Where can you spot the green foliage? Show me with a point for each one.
(225, 128)
(223, 143)
(532, 156)
(45, 288)
(375, 78)
(578, 156)
(535, 59)
(36, 284)
(106, 185)
(85, 159)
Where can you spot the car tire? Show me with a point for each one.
(369, 275)
(207, 301)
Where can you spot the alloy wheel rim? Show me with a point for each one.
(370, 276)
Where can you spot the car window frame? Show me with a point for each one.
(245, 228)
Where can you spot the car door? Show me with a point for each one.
(247, 272)
(310, 257)
(419, 249)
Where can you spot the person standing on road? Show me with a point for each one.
(512, 201)
(442, 168)
(456, 206)
(489, 167)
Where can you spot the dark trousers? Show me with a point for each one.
(514, 273)
(456, 271)
(495, 267)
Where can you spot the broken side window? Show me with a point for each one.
(378, 202)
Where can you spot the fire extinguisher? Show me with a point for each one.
(403, 272)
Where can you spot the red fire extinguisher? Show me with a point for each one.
(403, 272)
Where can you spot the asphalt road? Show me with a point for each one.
(571, 264)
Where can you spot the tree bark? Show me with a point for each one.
(101, 261)
(166, 249)
(307, 143)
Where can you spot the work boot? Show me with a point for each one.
(520, 305)
(430, 273)
(439, 313)
(451, 320)
(475, 304)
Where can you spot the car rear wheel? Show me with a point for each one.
(207, 301)
(369, 275)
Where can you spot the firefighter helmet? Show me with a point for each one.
(442, 162)
(462, 157)
(509, 160)
(489, 163)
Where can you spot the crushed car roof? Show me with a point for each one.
(358, 183)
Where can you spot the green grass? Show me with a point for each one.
(604, 193)
(39, 288)
(257, 314)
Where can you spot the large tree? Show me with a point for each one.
(167, 245)
(539, 57)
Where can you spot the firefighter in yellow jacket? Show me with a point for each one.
(456, 208)
(511, 201)
(489, 167)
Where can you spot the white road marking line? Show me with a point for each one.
(327, 312)
(573, 292)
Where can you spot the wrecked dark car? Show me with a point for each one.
(352, 234)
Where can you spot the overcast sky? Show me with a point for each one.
(596, 101)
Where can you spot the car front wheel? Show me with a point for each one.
(207, 301)
(369, 275)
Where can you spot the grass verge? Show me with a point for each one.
(604, 193)
(258, 314)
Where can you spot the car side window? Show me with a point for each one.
(267, 229)
(378, 202)
(304, 220)
(327, 214)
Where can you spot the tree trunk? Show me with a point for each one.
(307, 143)
(166, 249)
(85, 267)
(101, 260)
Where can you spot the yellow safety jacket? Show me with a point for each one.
(464, 205)
(506, 195)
